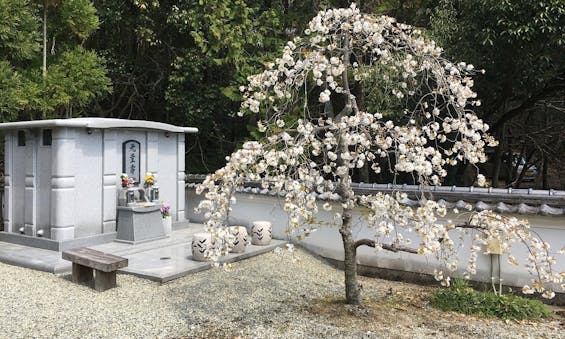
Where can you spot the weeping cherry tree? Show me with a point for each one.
(358, 91)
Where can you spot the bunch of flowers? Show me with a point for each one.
(149, 179)
(126, 181)
(166, 210)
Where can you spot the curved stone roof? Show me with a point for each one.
(97, 123)
(521, 201)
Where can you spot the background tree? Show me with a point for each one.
(520, 45)
(317, 130)
(182, 63)
(230, 41)
(19, 44)
(56, 81)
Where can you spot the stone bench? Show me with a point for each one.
(85, 260)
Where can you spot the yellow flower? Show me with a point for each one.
(149, 179)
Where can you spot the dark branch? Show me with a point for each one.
(399, 248)
(388, 247)
(468, 225)
(530, 102)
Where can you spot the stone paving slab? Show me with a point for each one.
(34, 258)
(160, 260)
(180, 236)
(172, 262)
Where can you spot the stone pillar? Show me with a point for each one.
(30, 182)
(180, 177)
(152, 145)
(109, 180)
(7, 212)
(63, 184)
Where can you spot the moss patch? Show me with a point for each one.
(461, 298)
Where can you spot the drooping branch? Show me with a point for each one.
(471, 226)
(388, 247)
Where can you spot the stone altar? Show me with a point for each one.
(137, 223)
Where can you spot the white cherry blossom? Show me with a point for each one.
(316, 133)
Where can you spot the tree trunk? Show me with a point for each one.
(349, 250)
(498, 161)
(44, 67)
(364, 173)
(525, 168)
(545, 181)
(346, 193)
(352, 292)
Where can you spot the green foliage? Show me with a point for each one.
(19, 35)
(519, 43)
(12, 96)
(76, 78)
(459, 297)
(80, 17)
(413, 12)
(220, 29)
(19, 46)
(229, 40)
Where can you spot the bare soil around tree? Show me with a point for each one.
(268, 296)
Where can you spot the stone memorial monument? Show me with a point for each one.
(62, 180)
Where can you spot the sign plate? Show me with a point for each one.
(131, 159)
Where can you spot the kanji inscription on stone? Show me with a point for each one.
(131, 159)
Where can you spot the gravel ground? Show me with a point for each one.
(263, 297)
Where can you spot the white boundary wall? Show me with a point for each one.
(326, 242)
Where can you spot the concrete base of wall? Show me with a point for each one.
(54, 245)
(427, 279)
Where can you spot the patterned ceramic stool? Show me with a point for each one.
(201, 244)
(240, 239)
(261, 233)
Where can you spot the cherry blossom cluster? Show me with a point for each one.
(316, 133)
(508, 231)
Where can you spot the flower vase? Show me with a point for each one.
(154, 194)
(130, 197)
(122, 197)
(168, 224)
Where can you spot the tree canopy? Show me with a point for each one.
(317, 129)
(183, 62)
(520, 45)
(72, 76)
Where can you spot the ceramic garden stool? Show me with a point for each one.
(201, 245)
(240, 238)
(261, 233)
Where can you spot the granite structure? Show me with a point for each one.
(62, 177)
